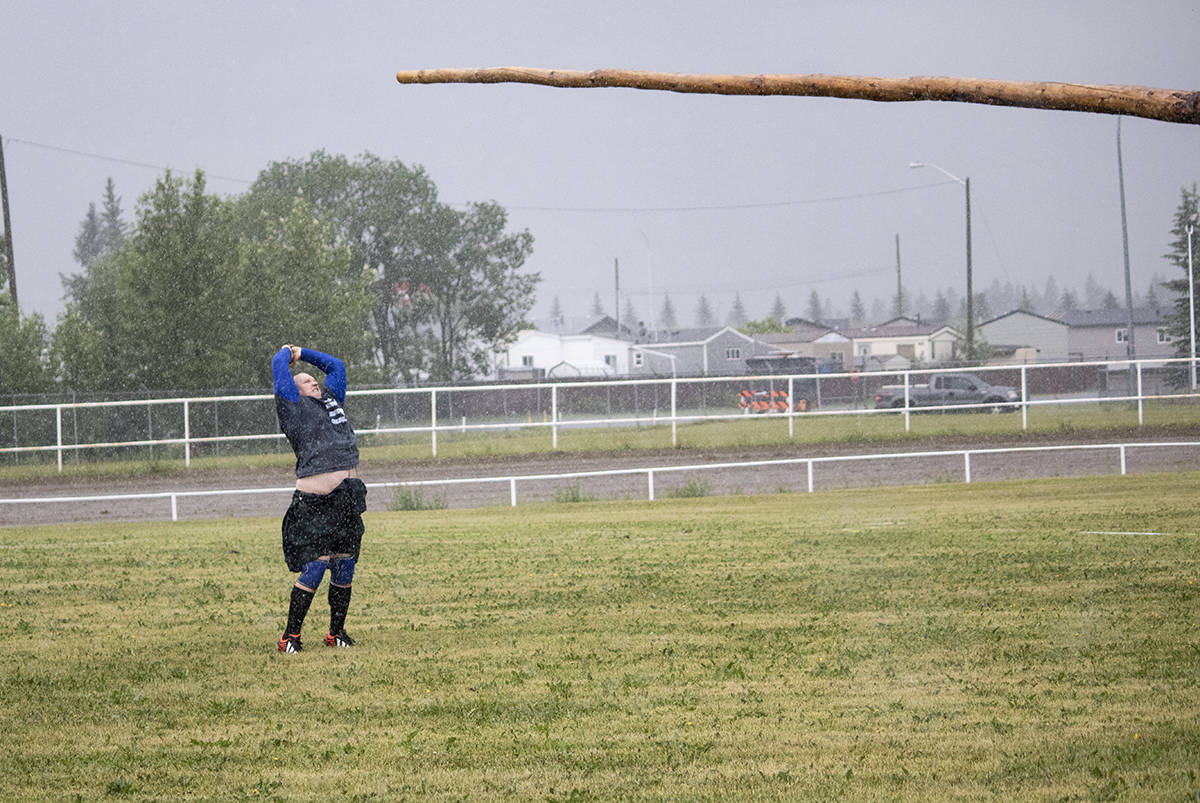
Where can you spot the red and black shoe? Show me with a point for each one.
(290, 643)
(339, 639)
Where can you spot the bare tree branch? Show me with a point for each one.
(1169, 105)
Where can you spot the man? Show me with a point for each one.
(323, 527)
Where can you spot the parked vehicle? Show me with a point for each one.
(770, 395)
(951, 389)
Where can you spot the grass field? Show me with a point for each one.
(1035, 640)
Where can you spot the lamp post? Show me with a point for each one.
(966, 182)
(1192, 297)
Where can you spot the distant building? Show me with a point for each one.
(1082, 335)
(927, 343)
(710, 351)
(1104, 334)
(1049, 338)
(567, 347)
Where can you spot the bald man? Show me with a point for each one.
(323, 527)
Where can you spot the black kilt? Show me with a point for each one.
(324, 524)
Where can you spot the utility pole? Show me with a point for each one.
(617, 293)
(1130, 352)
(8, 246)
(899, 286)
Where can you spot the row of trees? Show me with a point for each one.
(947, 305)
(357, 258)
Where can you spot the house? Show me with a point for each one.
(1104, 334)
(928, 343)
(829, 347)
(711, 351)
(562, 347)
(1082, 335)
(1048, 337)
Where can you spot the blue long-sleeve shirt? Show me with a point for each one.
(317, 429)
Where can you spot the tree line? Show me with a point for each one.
(354, 257)
(947, 305)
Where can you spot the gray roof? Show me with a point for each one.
(694, 335)
(898, 327)
(1113, 317)
(1022, 312)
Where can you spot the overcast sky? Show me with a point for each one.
(692, 193)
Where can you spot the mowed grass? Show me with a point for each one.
(1035, 640)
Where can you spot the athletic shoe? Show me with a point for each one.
(290, 643)
(339, 640)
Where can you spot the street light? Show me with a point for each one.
(1191, 227)
(966, 182)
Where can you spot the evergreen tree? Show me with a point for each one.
(1181, 325)
(666, 318)
(1026, 302)
(1110, 301)
(1067, 302)
(858, 312)
(112, 227)
(89, 242)
(556, 313)
(815, 313)
(1093, 293)
(597, 308)
(1051, 295)
(778, 311)
(705, 316)
(941, 307)
(629, 316)
(1156, 281)
(737, 313)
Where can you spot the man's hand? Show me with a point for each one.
(295, 354)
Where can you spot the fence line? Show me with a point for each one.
(512, 480)
(556, 420)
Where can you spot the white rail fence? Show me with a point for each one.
(809, 463)
(708, 399)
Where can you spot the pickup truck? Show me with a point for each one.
(951, 389)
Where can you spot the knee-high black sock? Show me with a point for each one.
(339, 604)
(301, 599)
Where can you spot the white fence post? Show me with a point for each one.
(1122, 448)
(967, 465)
(187, 434)
(58, 434)
(554, 416)
(791, 407)
(1024, 397)
(907, 414)
(1139, 392)
(174, 507)
(650, 483)
(810, 476)
(674, 421)
(512, 491)
(433, 419)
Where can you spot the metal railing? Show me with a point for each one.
(809, 464)
(186, 423)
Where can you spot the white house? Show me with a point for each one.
(918, 342)
(581, 348)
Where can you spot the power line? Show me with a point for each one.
(116, 159)
(523, 208)
(729, 207)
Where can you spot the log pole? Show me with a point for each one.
(1168, 105)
